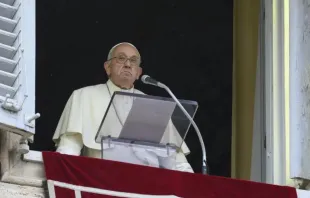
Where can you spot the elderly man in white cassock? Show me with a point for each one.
(84, 111)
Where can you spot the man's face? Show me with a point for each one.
(124, 66)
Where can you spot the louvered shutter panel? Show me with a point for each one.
(17, 66)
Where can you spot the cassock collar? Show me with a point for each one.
(113, 88)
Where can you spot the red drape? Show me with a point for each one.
(122, 177)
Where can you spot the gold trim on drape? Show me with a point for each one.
(245, 46)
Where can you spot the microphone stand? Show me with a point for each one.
(204, 155)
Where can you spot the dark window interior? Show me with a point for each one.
(185, 44)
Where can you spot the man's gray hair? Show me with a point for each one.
(110, 55)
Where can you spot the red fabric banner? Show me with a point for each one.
(130, 178)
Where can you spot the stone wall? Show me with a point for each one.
(19, 178)
(299, 89)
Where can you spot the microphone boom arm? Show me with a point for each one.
(204, 155)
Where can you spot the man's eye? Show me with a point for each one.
(121, 58)
(133, 60)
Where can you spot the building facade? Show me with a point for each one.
(271, 88)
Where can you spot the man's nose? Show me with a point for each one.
(127, 63)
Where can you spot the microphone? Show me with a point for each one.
(148, 80)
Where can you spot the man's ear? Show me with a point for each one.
(139, 72)
(107, 67)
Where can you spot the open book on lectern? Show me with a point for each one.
(145, 121)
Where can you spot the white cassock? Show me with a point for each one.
(81, 118)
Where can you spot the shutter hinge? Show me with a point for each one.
(29, 119)
(11, 105)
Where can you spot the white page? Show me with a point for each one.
(147, 120)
